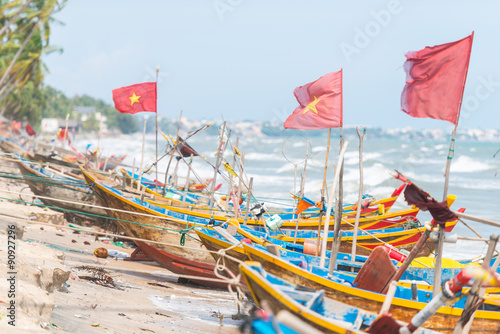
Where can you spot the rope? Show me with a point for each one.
(31, 221)
(232, 280)
(183, 234)
(199, 278)
(96, 215)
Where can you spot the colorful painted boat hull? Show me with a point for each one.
(402, 309)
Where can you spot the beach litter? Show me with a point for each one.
(97, 275)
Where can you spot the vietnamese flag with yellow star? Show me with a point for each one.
(135, 98)
(320, 104)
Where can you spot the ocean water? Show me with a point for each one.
(277, 166)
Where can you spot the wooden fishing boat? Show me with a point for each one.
(228, 242)
(183, 205)
(72, 158)
(370, 217)
(162, 232)
(9, 145)
(179, 197)
(401, 238)
(392, 219)
(52, 186)
(309, 305)
(164, 226)
(403, 307)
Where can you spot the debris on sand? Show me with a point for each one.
(98, 275)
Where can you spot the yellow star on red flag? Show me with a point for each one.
(134, 99)
(312, 106)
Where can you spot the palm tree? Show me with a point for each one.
(26, 39)
(13, 18)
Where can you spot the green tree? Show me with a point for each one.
(24, 39)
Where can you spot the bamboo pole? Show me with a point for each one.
(186, 185)
(451, 152)
(105, 164)
(238, 194)
(156, 128)
(133, 173)
(475, 293)
(338, 206)
(248, 202)
(388, 298)
(320, 220)
(212, 192)
(323, 188)
(334, 252)
(142, 157)
(172, 154)
(188, 164)
(329, 207)
(302, 185)
(174, 174)
(477, 219)
(337, 234)
(438, 261)
(295, 202)
(230, 187)
(360, 193)
(66, 131)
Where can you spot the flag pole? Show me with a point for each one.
(142, 157)
(451, 152)
(156, 127)
(338, 205)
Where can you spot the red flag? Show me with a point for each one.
(62, 134)
(29, 130)
(320, 104)
(135, 98)
(16, 126)
(435, 80)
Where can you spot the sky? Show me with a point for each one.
(242, 59)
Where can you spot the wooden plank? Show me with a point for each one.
(376, 272)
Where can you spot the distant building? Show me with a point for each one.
(52, 125)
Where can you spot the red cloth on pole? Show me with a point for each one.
(435, 79)
(320, 104)
(422, 200)
(135, 98)
(29, 130)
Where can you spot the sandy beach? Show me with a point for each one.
(50, 296)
